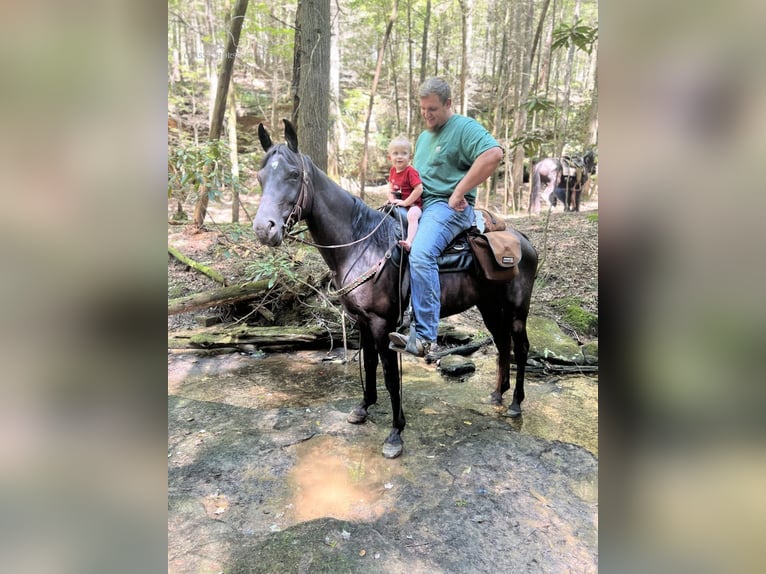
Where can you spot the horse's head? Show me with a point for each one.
(589, 161)
(283, 180)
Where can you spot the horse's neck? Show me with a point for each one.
(331, 221)
(331, 212)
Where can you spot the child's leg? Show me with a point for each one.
(413, 216)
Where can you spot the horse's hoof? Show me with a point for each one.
(393, 445)
(392, 450)
(514, 411)
(357, 416)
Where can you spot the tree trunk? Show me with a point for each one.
(378, 66)
(520, 119)
(313, 97)
(466, 13)
(410, 71)
(560, 130)
(233, 155)
(418, 122)
(338, 133)
(592, 136)
(224, 78)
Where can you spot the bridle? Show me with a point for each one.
(301, 204)
(304, 203)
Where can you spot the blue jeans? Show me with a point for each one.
(439, 225)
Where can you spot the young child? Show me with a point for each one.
(404, 186)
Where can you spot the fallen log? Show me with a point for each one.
(551, 368)
(466, 349)
(212, 273)
(248, 338)
(224, 296)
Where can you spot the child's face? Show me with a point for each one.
(399, 157)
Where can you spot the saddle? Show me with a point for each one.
(487, 248)
(573, 167)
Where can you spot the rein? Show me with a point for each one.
(296, 214)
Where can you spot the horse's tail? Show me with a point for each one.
(534, 194)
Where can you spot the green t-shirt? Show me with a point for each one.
(444, 157)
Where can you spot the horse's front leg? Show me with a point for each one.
(370, 358)
(393, 445)
(568, 195)
(578, 194)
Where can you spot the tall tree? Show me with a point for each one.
(466, 15)
(338, 132)
(561, 127)
(233, 154)
(312, 47)
(520, 116)
(224, 78)
(418, 123)
(378, 66)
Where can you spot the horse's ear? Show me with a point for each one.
(291, 136)
(264, 137)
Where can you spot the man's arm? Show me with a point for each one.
(481, 169)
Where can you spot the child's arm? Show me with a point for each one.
(391, 197)
(416, 193)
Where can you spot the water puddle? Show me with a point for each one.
(335, 479)
(561, 408)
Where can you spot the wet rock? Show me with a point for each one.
(547, 341)
(590, 352)
(454, 366)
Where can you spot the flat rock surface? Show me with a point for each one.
(266, 475)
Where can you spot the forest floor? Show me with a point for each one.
(266, 475)
(567, 244)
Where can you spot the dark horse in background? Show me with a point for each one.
(563, 179)
(356, 241)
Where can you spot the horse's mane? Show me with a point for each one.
(365, 219)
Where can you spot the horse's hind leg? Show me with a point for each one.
(520, 353)
(370, 358)
(494, 320)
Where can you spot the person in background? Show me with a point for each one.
(453, 155)
(405, 187)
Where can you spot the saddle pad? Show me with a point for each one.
(491, 221)
(505, 246)
(497, 254)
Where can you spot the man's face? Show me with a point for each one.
(434, 112)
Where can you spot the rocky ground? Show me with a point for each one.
(265, 474)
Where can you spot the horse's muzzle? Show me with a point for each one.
(268, 231)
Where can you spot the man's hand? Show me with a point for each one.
(457, 202)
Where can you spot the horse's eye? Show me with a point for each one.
(293, 175)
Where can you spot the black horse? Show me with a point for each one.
(564, 179)
(354, 240)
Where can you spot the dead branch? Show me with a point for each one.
(212, 273)
(225, 296)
